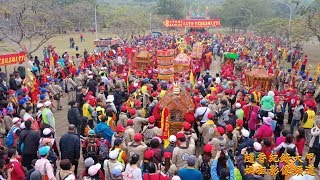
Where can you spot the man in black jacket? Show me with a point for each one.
(74, 116)
(12, 83)
(30, 139)
(70, 147)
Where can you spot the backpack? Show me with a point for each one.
(205, 169)
(311, 88)
(10, 136)
(103, 151)
(128, 175)
(92, 147)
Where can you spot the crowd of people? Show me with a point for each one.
(236, 131)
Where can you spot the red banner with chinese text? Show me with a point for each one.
(192, 23)
(8, 59)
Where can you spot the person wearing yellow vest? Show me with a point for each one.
(100, 110)
(47, 116)
(308, 121)
(122, 156)
(87, 111)
(255, 97)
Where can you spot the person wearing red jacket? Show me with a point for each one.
(292, 103)
(304, 63)
(15, 164)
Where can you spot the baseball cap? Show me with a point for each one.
(191, 160)
(180, 135)
(220, 130)
(229, 128)
(117, 141)
(148, 154)
(137, 137)
(210, 116)
(120, 128)
(151, 119)
(93, 170)
(172, 138)
(207, 148)
(167, 155)
(186, 126)
(88, 162)
(130, 122)
(132, 111)
(44, 150)
(91, 132)
(46, 131)
(113, 154)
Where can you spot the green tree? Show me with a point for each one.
(172, 8)
(125, 21)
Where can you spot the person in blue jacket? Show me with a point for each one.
(225, 173)
(104, 129)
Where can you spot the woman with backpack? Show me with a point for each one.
(110, 163)
(157, 149)
(167, 167)
(94, 173)
(133, 172)
(66, 171)
(205, 161)
(231, 140)
(153, 175)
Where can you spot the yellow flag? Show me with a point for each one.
(284, 54)
(128, 75)
(51, 60)
(192, 78)
(165, 127)
(318, 69)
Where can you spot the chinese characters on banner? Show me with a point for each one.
(192, 23)
(291, 165)
(8, 59)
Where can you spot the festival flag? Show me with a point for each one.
(51, 59)
(318, 69)
(192, 78)
(129, 73)
(284, 54)
(165, 126)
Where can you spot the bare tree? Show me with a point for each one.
(24, 22)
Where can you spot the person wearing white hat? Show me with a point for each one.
(246, 141)
(94, 172)
(257, 146)
(239, 111)
(110, 103)
(108, 165)
(48, 119)
(14, 132)
(172, 144)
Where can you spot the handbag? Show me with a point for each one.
(45, 177)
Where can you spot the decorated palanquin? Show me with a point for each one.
(259, 76)
(181, 63)
(174, 105)
(197, 51)
(165, 64)
(143, 60)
